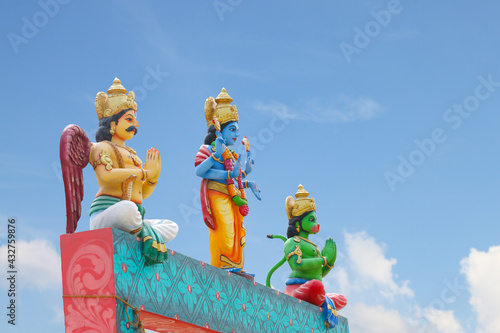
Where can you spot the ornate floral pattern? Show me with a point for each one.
(183, 289)
(218, 297)
(189, 289)
(291, 320)
(268, 315)
(244, 308)
(125, 265)
(87, 270)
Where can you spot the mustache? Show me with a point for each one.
(132, 128)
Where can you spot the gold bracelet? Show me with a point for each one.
(228, 174)
(216, 159)
(326, 262)
(244, 174)
(151, 183)
(330, 267)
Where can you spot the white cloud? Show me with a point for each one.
(275, 108)
(364, 274)
(482, 271)
(375, 319)
(38, 264)
(344, 109)
(443, 321)
(342, 278)
(378, 318)
(367, 260)
(58, 314)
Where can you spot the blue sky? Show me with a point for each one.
(386, 112)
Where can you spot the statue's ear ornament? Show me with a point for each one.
(131, 96)
(209, 110)
(100, 102)
(289, 202)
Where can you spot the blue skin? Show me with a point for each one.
(213, 170)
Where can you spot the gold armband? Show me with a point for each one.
(325, 262)
(297, 252)
(104, 159)
(216, 159)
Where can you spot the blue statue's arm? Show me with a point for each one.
(255, 190)
(214, 174)
(208, 164)
(206, 169)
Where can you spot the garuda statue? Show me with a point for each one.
(124, 181)
(223, 199)
(309, 265)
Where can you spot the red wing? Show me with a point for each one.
(74, 150)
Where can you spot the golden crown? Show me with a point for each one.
(221, 107)
(116, 100)
(301, 205)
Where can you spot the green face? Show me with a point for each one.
(309, 223)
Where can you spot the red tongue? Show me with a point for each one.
(315, 229)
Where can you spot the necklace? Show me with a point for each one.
(232, 152)
(124, 147)
(308, 241)
(133, 156)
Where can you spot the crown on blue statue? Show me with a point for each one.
(221, 107)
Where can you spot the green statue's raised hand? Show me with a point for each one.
(330, 251)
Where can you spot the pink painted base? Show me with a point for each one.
(87, 270)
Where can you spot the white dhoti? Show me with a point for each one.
(125, 216)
